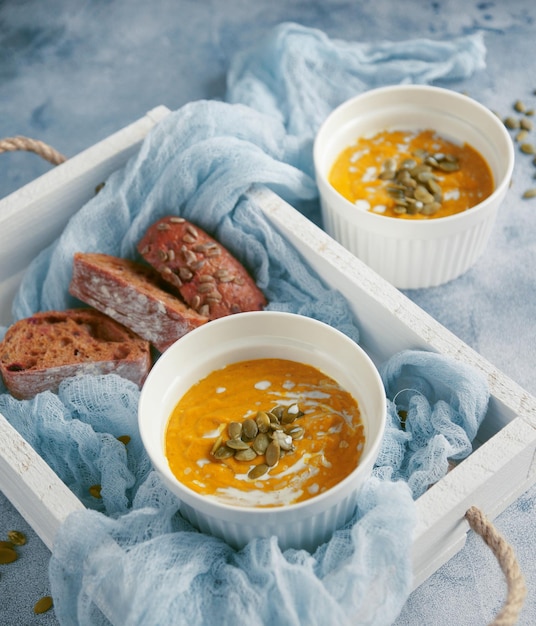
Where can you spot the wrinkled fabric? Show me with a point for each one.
(130, 558)
(298, 75)
(435, 406)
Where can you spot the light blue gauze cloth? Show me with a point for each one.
(130, 558)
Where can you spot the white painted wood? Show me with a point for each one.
(492, 477)
(34, 215)
(39, 495)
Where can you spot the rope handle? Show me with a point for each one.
(506, 558)
(479, 523)
(12, 144)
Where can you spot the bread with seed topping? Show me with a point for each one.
(133, 295)
(206, 275)
(40, 351)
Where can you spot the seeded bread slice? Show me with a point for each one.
(38, 352)
(132, 294)
(204, 273)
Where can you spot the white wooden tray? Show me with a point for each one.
(501, 468)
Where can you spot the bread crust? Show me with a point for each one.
(200, 269)
(40, 351)
(133, 295)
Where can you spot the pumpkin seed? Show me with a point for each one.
(261, 443)
(217, 444)
(430, 208)
(223, 452)
(185, 273)
(389, 165)
(522, 135)
(294, 409)
(525, 124)
(425, 177)
(237, 444)
(527, 148)
(43, 605)
(386, 175)
(435, 189)
(530, 193)
(297, 432)
(419, 153)
(448, 166)
(16, 537)
(263, 421)
(95, 491)
(8, 555)
(235, 430)
(249, 429)
(273, 452)
(423, 195)
(519, 106)
(277, 412)
(245, 455)
(408, 164)
(258, 471)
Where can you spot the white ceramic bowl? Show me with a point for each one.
(264, 334)
(413, 253)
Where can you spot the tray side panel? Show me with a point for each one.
(34, 489)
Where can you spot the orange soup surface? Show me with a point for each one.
(411, 175)
(325, 444)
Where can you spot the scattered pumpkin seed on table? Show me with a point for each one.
(16, 537)
(43, 605)
(8, 555)
(527, 148)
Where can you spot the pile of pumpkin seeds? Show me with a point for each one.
(270, 434)
(521, 124)
(414, 184)
(9, 554)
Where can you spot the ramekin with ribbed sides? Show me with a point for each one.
(413, 253)
(292, 495)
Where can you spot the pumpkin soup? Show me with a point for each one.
(264, 432)
(411, 175)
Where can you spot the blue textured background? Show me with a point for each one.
(72, 73)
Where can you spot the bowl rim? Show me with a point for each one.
(210, 504)
(348, 209)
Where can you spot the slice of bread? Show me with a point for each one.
(205, 274)
(132, 294)
(40, 351)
